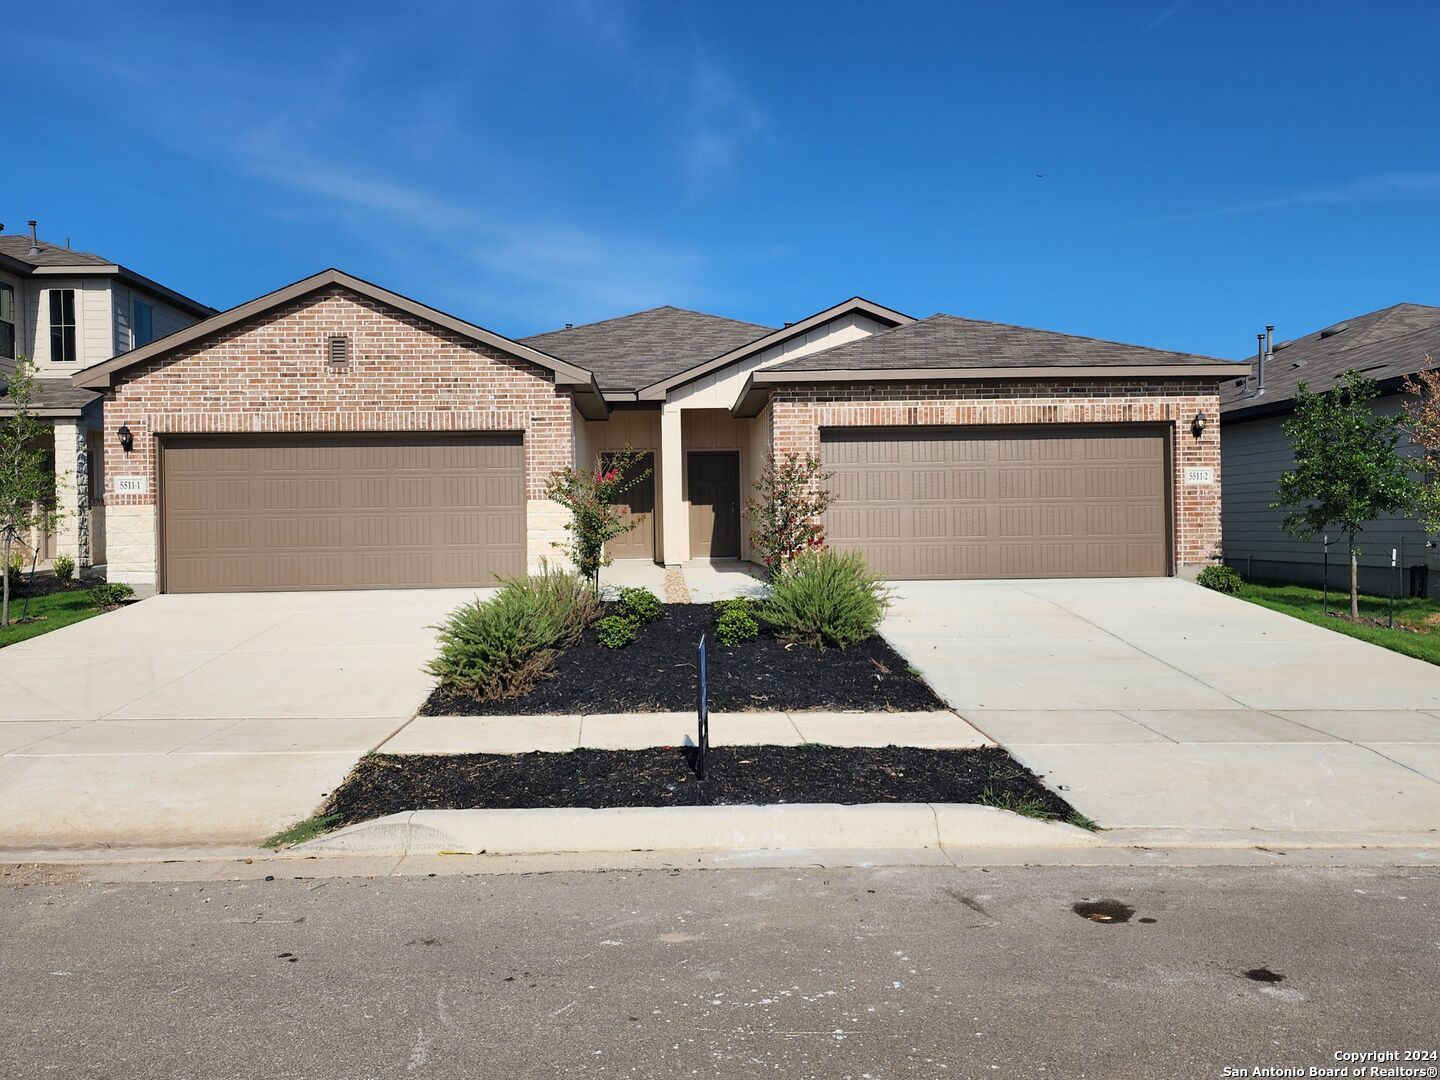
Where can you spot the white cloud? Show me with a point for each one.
(1161, 19)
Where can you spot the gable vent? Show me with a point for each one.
(338, 349)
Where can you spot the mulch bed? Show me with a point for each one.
(657, 672)
(735, 775)
(24, 585)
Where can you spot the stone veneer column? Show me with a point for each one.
(72, 492)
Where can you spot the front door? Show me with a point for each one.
(714, 482)
(639, 503)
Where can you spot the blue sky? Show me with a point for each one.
(1205, 167)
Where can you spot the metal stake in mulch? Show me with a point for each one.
(1325, 579)
(702, 743)
(1394, 565)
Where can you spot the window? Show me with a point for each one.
(7, 321)
(142, 325)
(62, 324)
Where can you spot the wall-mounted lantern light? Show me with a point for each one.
(127, 440)
(1197, 426)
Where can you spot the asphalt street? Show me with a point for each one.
(863, 973)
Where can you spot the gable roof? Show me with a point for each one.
(1386, 344)
(105, 374)
(855, 305)
(950, 342)
(949, 347)
(633, 351)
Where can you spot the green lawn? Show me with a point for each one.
(50, 613)
(1410, 616)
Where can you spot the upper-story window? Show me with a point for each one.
(7, 321)
(62, 324)
(142, 324)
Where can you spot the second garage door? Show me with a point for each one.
(276, 513)
(1000, 503)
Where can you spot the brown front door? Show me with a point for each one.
(714, 482)
(1025, 502)
(287, 512)
(639, 542)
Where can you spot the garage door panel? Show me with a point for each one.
(334, 512)
(1013, 502)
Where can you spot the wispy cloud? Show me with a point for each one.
(1161, 19)
(724, 120)
(1364, 190)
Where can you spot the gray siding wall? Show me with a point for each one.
(1253, 455)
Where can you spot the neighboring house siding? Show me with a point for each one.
(270, 375)
(800, 412)
(1256, 454)
(94, 336)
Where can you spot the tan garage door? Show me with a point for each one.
(1000, 503)
(274, 513)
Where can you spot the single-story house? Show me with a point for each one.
(333, 434)
(1388, 346)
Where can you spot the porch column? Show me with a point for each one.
(72, 492)
(675, 520)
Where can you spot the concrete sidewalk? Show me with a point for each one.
(638, 731)
(1155, 704)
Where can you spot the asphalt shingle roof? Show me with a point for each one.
(1389, 343)
(947, 341)
(51, 394)
(633, 351)
(18, 247)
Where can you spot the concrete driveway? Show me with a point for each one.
(204, 719)
(1155, 704)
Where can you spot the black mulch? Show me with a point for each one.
(657, 673)
(24, 584)
(389, 783)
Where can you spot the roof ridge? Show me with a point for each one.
(1075, 337)
(644, 311)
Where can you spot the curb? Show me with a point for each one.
(820, 826)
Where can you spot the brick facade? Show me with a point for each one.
(799, 413)
(272, 375)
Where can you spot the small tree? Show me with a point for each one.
(27, 482)
(1422, 417)
(593, 498)
(790, 496)
(1347, 467)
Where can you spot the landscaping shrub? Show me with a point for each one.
(747, 604)
(110, 595)
(639, 604)
(17, 563)
(64, 567)
(1220, 578)
(615, 631)
(826, 598)
(736, 625)
(499, 648)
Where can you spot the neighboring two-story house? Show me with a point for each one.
(66, 310)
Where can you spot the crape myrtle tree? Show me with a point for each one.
(27, 482)
(790, 497)
(1422, 418)
(1348, 469)
(594, 497)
